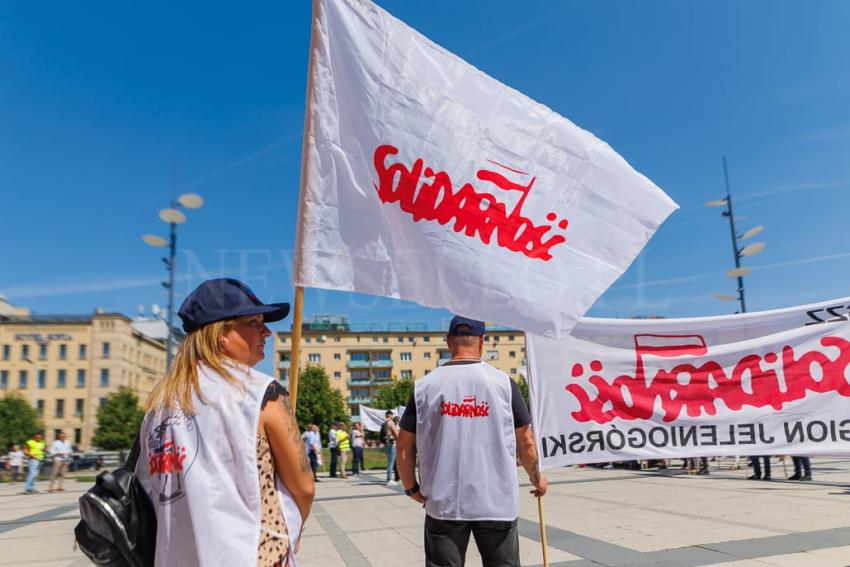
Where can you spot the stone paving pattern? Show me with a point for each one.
(607, 517)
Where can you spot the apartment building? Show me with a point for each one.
(66, 365)
(359, 360)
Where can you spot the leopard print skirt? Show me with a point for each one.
(274, 538)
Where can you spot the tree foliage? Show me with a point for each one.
(118, 420)
(19, 420)
(394, 395)
(317, 402)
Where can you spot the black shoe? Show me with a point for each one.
(795, 476)
(754, 477)
(703, 471)
(806, 477)
(766, 477)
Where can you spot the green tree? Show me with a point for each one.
(19, 420)
(317, 402)
(394, 395)
(118, 420)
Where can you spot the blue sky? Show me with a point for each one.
(97, 102)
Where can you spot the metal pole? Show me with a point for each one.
(171, 258)
(737, 252)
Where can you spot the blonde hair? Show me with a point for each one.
(203, 345)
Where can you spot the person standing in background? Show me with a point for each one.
(334, 449)
(802, 469)
(357, 448)
(344, 445)
(61, 451)
(34, 450)
(313, 447)
(389, 434)
(15, 462)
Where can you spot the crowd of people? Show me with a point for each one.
(35, 451)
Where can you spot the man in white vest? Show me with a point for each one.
(468, 423)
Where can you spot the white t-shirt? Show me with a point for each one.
(16, 458)
(466, 443)
(332, 440)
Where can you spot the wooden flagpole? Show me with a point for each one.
(295, 352)
(540, 515)
(542, 531)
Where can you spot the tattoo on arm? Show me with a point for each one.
(534, 474)
(292, 427)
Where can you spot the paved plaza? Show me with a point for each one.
(608, 517)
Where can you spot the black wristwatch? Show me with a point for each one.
(412, 490)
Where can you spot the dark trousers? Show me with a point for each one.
(357, 461)
(757, 466)
(802, 462)
(334, 457)
(314, 462)
(446, 542)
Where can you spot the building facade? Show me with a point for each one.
(360, 362)
(66, 366)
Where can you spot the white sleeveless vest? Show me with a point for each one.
(201, 474)
(466, 443)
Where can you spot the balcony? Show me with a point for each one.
(359, 399)
(370, 363)
(283, 364)
(359, 382)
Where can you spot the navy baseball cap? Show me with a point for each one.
(476, 328)
(225, 298)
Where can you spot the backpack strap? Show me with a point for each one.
(133, 457)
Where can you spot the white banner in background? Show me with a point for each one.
(426, 180)
(768, 383)
(372, 419)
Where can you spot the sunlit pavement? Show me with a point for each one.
(609, 517)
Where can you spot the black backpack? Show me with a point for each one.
(118, 522)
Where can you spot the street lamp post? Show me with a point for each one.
(172, 216)
(738, 271)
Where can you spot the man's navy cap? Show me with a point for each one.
(476, 328)
(225, 298)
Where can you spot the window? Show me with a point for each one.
(383, 355)
(360, 356)
(82, 354)
(338, 375)
(512, 354)
(104, 377)
(101, 402)
(410, 339)
(78, 436)
(60, 378)
(22, 379)
(336, 339)
(337, 356)
(383, 374)
(491, 355)
(81, 378)
(4, 379)
(78, 408)
(401, 339)
(359, 375)
(7, 351)
(63, 352)
(56, 433)
(314, 357)
(60, 408)
(426, 339)
(25, 352)
(374, 339)
(41, 381)
(308, 340)
(386, 339)
(105, 351)
(510, 337)
(42, 352)
(406, 357)
(39, 408)
(407, 374)
(427, 355)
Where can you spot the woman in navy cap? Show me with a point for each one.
(221, 452)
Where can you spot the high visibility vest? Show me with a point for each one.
(36, 449)
(343, 441)
(466, 443)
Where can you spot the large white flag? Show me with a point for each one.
(424, 179)
(769, 383)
